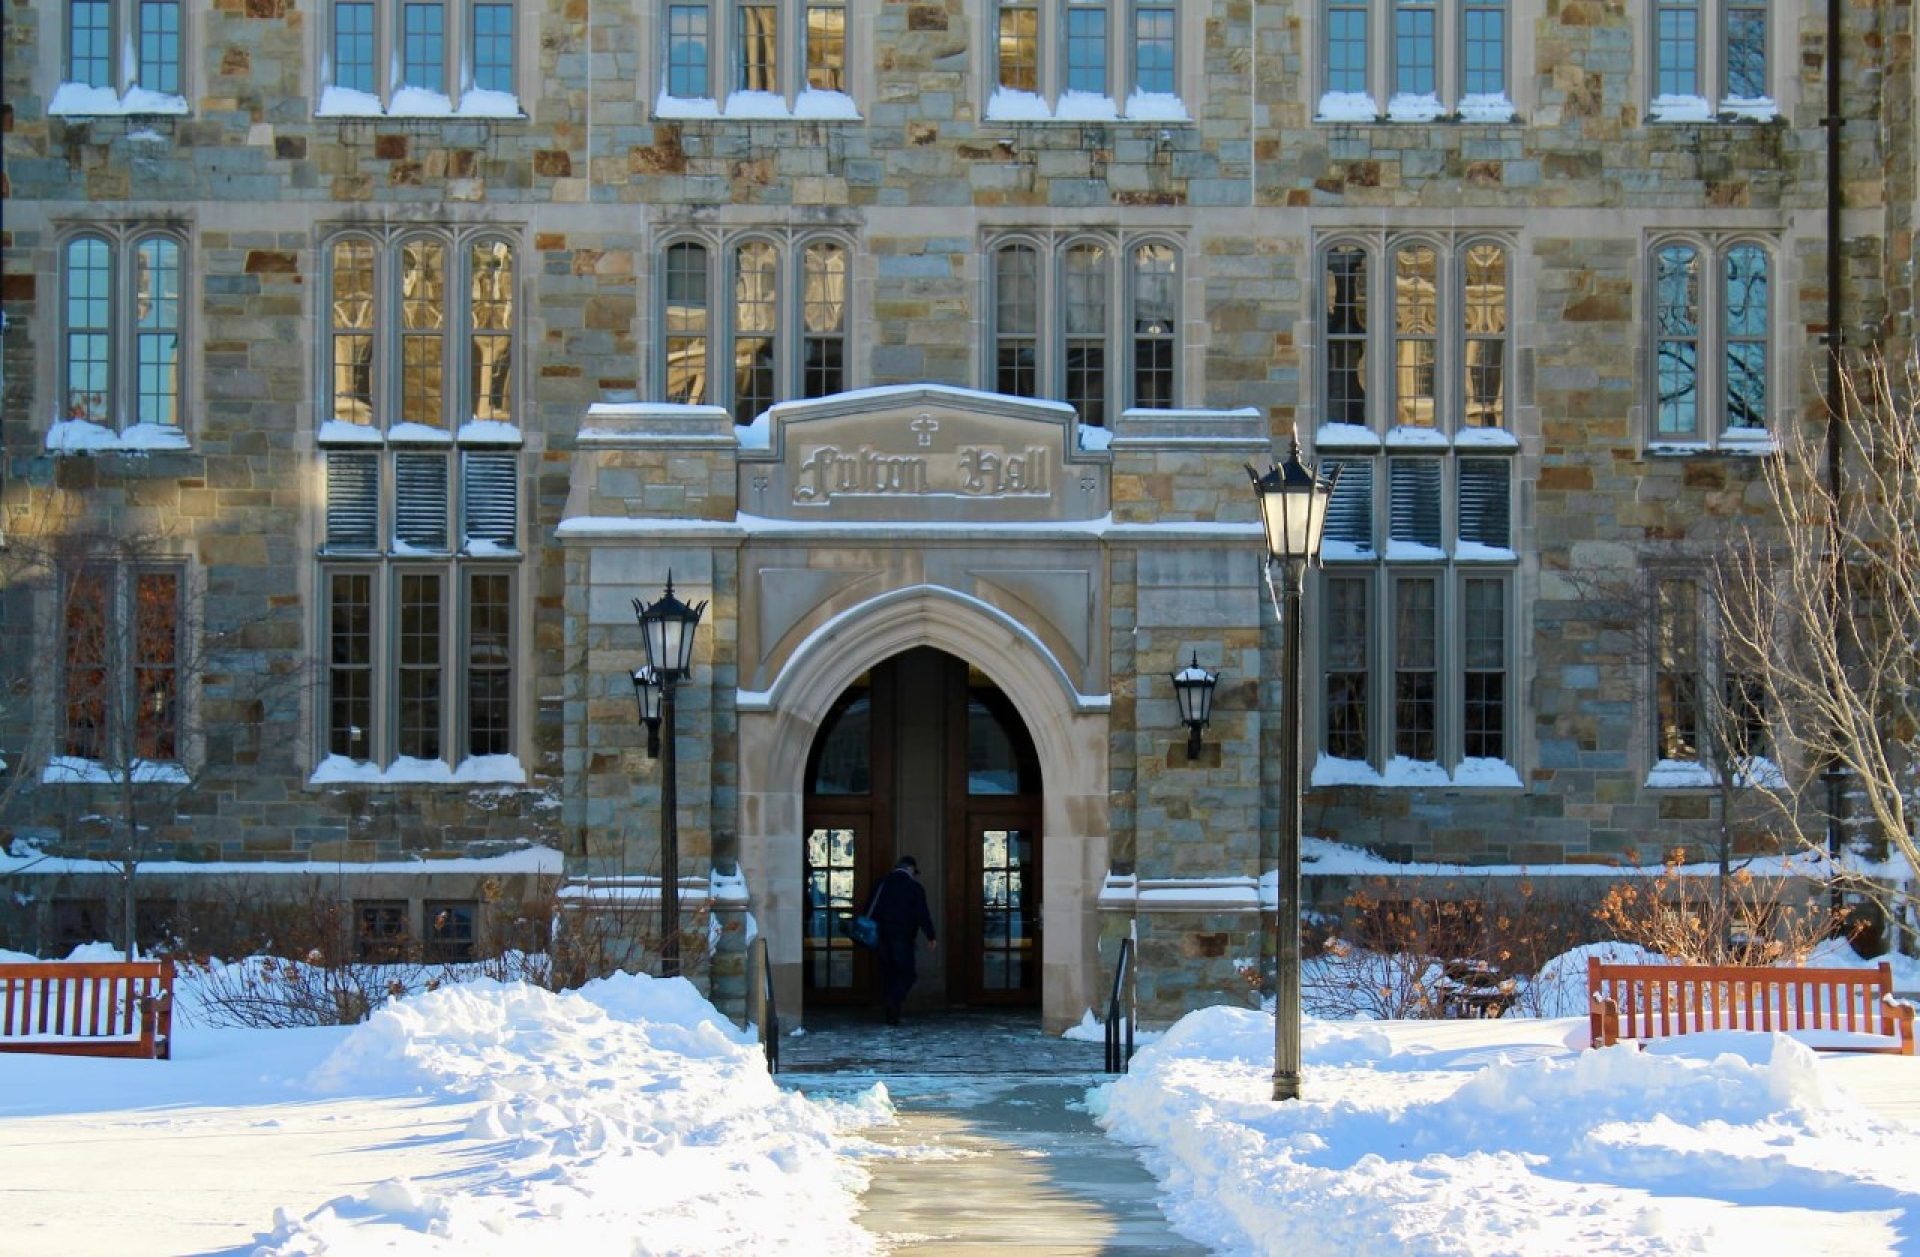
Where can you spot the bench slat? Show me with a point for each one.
(93, 1008)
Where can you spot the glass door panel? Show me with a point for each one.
(1006, 912)
(831, 873)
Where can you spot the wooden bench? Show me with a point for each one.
(73, 1008)
(1852, 1010)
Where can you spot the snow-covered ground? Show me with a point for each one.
(497, 1118)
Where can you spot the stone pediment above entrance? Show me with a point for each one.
(923, 453)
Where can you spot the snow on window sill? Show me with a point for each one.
(488, 432)
(1347, 107)
(1409, 774)
(811, 105)
(1012, 105)
(1738, 443)
(77, 100)
(1344, 436)
(1679, 109)
(1403, 437)
(486, 548)
(1347, 552)
(414, 102)
(1680, 774)
(1414, 552)
(1474, 552)
(1485, 439)
(70, 770)
(83, 436)
(1487, 107)
(475, 770)
(419, 434)
(1750, 108)
(340, 432)
(1408, 107)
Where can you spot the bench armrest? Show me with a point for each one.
(1901, 1014)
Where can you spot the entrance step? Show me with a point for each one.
(996, 1043)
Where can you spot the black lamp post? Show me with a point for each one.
(1293, 507)
(1193, 689)
(667, 628)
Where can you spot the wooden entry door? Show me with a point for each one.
(1002, 888)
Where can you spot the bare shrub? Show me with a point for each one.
(1742, 920)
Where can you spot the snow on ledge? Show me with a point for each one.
(1345, 436)
(1486, 107)
(83, 436)
(71, 770)
(1680, 109)
(815, 104)
(1408, 107)
(532, 859)
(1085, 107)
(504, 770)
(1009, 104)
(78, 100)
(488, 432)
(1485, 439)
(1409, 774)
(1144, 106)
(1347, 107)
(340, 432)
(1679, 774)
(1750, 108)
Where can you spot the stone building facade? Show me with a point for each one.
(358, 379)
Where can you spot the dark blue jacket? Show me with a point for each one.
(899, 906)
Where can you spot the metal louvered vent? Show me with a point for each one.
(1485, 514)
(353, 501)
(420, 501)
(489, 498)
(1350, 514)
(1414, 506)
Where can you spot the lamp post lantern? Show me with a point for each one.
(1293, 507)
(667, 628)
(1193, 689)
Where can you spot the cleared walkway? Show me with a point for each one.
(995, 1148)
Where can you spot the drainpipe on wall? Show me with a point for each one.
(1836, 337)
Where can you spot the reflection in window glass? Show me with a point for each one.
(1087, 49)
(85, 674)
(1746, 332)
(1676, 321)
(1416, 669)
(350, 665)
(1000, 757)
(1155, 278)
(1153, 49)
(687, 50)
(1677, 647)
(157, 332)
(420, 688)
(755, 301)
(758, 50)
(1085, 280)
(491, 344)
(1016, 292)
(1485, 327)
(843, 752)
(1006, 912)
(827, 47)
(1747, 52)
(88, 27)
(823, 346)
(1416, 281)
(1484, 655)
(1484, 36)
(1019, 41)
(1346, 334)
(423, 320)
(686, 323)
(89, 363)
(489, 664)
(353, 331)
(828, 874)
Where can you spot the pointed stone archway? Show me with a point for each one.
(1069, 730)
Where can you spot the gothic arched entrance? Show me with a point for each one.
(924, 755)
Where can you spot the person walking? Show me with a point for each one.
(899, 908)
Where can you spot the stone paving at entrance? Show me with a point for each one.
(995, 1149)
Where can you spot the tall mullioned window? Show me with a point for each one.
(429, 48)
(1091, 322)
(123, 323)
(783, 328)
(1414, 60)
(1072, 53)
(1416, 638)
(125, 44)
(1711, 339)
(120, 667)
(710, 50)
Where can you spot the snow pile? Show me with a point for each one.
(1720, 1143)
(626, 1116)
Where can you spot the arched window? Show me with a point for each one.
(823, 317)
(1085, 301)
(756, 301)
(1483, 308)
(1676, 346)
(1016, 295)
(686, 323)
(1155, 318)
(1416, 329)
(122, 318)
(842, 761)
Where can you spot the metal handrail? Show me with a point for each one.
(769, 1006)
(1117, 1058)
